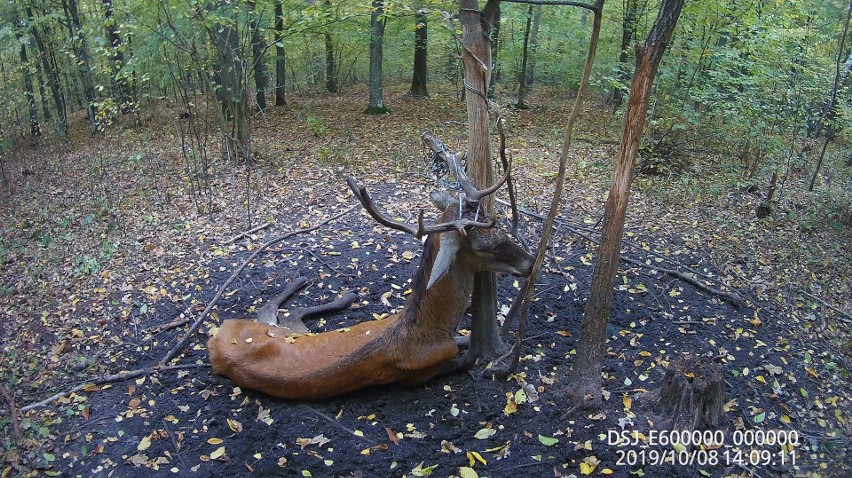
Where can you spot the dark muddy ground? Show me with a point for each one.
(190, 422)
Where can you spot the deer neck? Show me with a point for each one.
(442, 287)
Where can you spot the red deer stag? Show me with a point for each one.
(409, 347)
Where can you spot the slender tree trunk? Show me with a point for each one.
(840, 76)
(330, 61)
(122, 87)
(418, 81)
(280, 58)
(495, 49)
(633, 9)
(522, 76)
(485, 339)
(81, 50)
(35, 128)
(377, 35)
(48, 61)
(533, 47)
(585, 381)
(330, 65)
(41, 81)
(231, 87)
(258, 49)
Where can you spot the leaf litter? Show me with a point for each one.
(99, 282)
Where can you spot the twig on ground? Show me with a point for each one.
(14, 415)
(117, 377)
(335, 423)
(195, 325)
(844, 317)
(246, 233)
(174, 444)
(732, 297)
(171, 325)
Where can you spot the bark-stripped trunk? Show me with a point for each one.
(280, 58)
(585, 381)
(377, 36)
(421, 35)
(476, 59)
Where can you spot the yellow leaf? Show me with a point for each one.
(215, 441)
(478, 457)
(760, 379)
(467, 472)
(217, 453)
(145, 443)
(586, 468)
(627, 402)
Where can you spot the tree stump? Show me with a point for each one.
(692, 394)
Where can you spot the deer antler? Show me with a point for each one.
(460, 224)
(453, 161)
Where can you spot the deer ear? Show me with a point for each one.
(441, 200)
(447, 249)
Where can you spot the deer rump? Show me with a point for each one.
(409, 347)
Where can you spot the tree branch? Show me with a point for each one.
(587, 6)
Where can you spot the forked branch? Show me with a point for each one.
(460, 225)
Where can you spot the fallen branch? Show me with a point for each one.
(171, 325)
(732, 297)
(246, 233)
(117, 377)
(195, 325)
(14, 415)
(844, 317)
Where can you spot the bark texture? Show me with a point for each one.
(585, 381)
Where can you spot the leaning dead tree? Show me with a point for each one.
(584, 384)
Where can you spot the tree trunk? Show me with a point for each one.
(418, 81)
(495, 49)
(122, 87)
(258, 49)
(48, 61)
(232, 90)
(827, 112)
(330, 60)
(522, 76)
(35, 128)
(485, 341)
(377, 35)
(633, 10)
(81, 50)
(280, 58)
(585, 380)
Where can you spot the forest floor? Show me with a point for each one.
(112, 243)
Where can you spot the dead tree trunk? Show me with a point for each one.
(585, 380)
